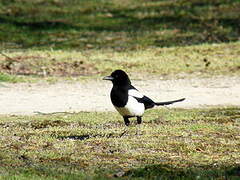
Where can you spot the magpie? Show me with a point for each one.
(127, 100)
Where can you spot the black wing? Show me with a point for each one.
(148, 103)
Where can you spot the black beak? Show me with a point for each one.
(110, 78)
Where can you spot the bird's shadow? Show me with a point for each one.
(88, 136)
(76, 137)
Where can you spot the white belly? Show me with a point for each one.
(132, 108)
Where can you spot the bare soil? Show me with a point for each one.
(29, 65)
(28, 99)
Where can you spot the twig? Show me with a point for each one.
(7, 56)
(42, 113)
(122, 133)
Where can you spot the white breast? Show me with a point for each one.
(132, 108)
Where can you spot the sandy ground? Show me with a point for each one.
(94, 95)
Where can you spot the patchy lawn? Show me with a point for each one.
(200, 60)
(171, 143)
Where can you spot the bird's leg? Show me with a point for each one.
(138, 128)
(126, 120)
(139, 119)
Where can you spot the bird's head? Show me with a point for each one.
(118, 77)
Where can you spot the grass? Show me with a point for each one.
(120, 25)
(10, 78)
(48, 39)
(89, 39)
(176, 144)
(200, 60)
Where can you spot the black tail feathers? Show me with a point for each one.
(168, 102)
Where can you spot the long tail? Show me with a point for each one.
(168, 102)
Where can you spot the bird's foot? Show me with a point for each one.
(139, 119)
(126, 121)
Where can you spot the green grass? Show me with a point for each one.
(10, 78)
(176, 144)
(120, 25)
(197, 60)
(48, 39)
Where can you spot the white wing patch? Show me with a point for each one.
(135, 93)
(132, 108)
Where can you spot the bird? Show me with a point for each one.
(127, 100)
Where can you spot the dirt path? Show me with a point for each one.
(94, 95)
